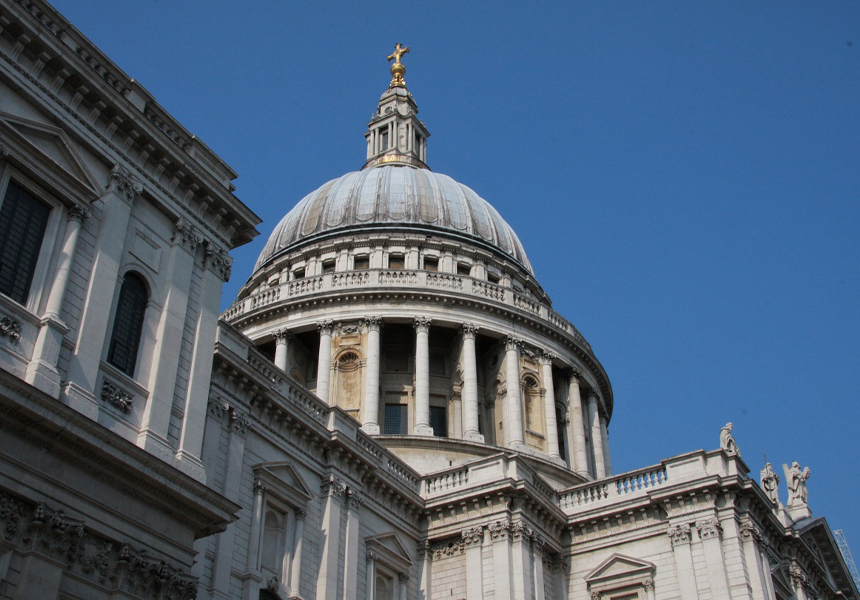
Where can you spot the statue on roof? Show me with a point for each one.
(770, 483)
(796, 478)
(727, 442)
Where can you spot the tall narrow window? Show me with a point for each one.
(128, 324)
(23, 219)
(439, 421)
(383, 145)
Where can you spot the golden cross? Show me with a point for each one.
(399, 51)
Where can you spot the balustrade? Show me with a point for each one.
(632, 484)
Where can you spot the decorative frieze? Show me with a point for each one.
(499, 530)
(679, 534)
(123, 184)
(116, 396)
(10, 328)
(710, 528)
(472, 535)
(448, 549)
(11, 511)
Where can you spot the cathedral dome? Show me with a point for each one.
(391, 197)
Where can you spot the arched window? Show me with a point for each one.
(128, 323)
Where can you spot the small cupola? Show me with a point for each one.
(395, 135)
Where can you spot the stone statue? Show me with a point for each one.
(796, 481)
(770, 483)
(727, 442)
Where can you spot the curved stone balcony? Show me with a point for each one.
(400, 279)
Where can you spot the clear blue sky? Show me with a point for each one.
(684, 177)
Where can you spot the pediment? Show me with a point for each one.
(284, 481)
(52, 146)
(389, 548)
(619, 566)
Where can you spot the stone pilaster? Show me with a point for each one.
(711, 533)
(579, 460)
(681, 537)
(332, 492)
(473, 538)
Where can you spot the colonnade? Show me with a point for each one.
(584, 423)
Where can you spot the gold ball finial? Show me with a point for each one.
(397, 69)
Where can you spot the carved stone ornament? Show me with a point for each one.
(332, 486)
(4, 151)
(648, 584)
(798, 577)
(349, 328)
(301, 513)
(547, 357)
(749, 530)
(727, 442)
(354, 499)
(528, 352)
(710, 528)
(422, 324)
(325, 327)
(520, 530)
(122, 183)
(11, 512)
(403, 577)
(185, 234)
(372, 323)
(595, 595)
(512, 343)
(219, 262)
(283, 335)
(469, 330)
(116, 396)
(423, 548)
(448, 549)
(259, 487)
(239, 422)
(472, 535)
(499, 530)
(10, 328)
(679, 534)
(272, 583)
(78, 213)
(574, 373)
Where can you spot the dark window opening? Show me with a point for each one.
(328, 266)
(431, 264)
(383, 144)
(23, 219)
(395, 419)
(362, 263)
(396, 261)
(463, 269)
(493, 278)
(128, 324)
(439, 421)
(299, 273)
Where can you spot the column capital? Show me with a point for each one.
(259, 487)
(301, 513)
(749, 530)
(592, 394)
(546, 357)
(403, 577)
(78, 213)
(472, 535)
(469, 330)
(185, 234)
(283, 335)
(354, 499)
(573, 374)
(123, 184)
(648, 584)
(218, 261)
(679, 534)
(422, 324)
(325, 327)
(512, 343)
(372, 323)
(499, 530)
(710, 528)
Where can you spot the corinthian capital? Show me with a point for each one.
(219, 262)
(78, 213)
(469, 330)
(512, 343)
(372, 323)
(122, 183)
(422, 324)
(185, 234)
(325, 327)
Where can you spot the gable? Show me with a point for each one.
(621, 570)
(284, 482)
(390, 550)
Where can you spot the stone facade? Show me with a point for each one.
(391, 409)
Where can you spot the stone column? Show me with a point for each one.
(326, 329)
(217, 265)
(402, 580)
(298, 549)
(499, 533)
(750, 534)
(422, 377)
(604, 436)
(768, 575)
(596, 436)
(513, 402)
(648, 584)
(549, 405)
(424, 568)
(42, 370)
(521, 561)
(332, 491)
(79, 391)
(370, 577)
(370, 423)
(680, 537)
(537, 560)
(171, 327)
(256, 528)
(282, 347)
(579, 460)
(470, 385)
(473, 538)
(798, 580)
(711, 533)
(350, 553)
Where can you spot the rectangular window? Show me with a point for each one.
(431, 263)
(439, 421)
(463, 269)
(396, 261)
(397, 362)
(492, 278)
(362, 263)
(395, 419)
(299, 273)
(23, 219)
(383, 144)
(328, 266)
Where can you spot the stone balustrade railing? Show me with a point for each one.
(402, 278)
(446, 482)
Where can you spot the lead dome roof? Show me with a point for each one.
(394, 197)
